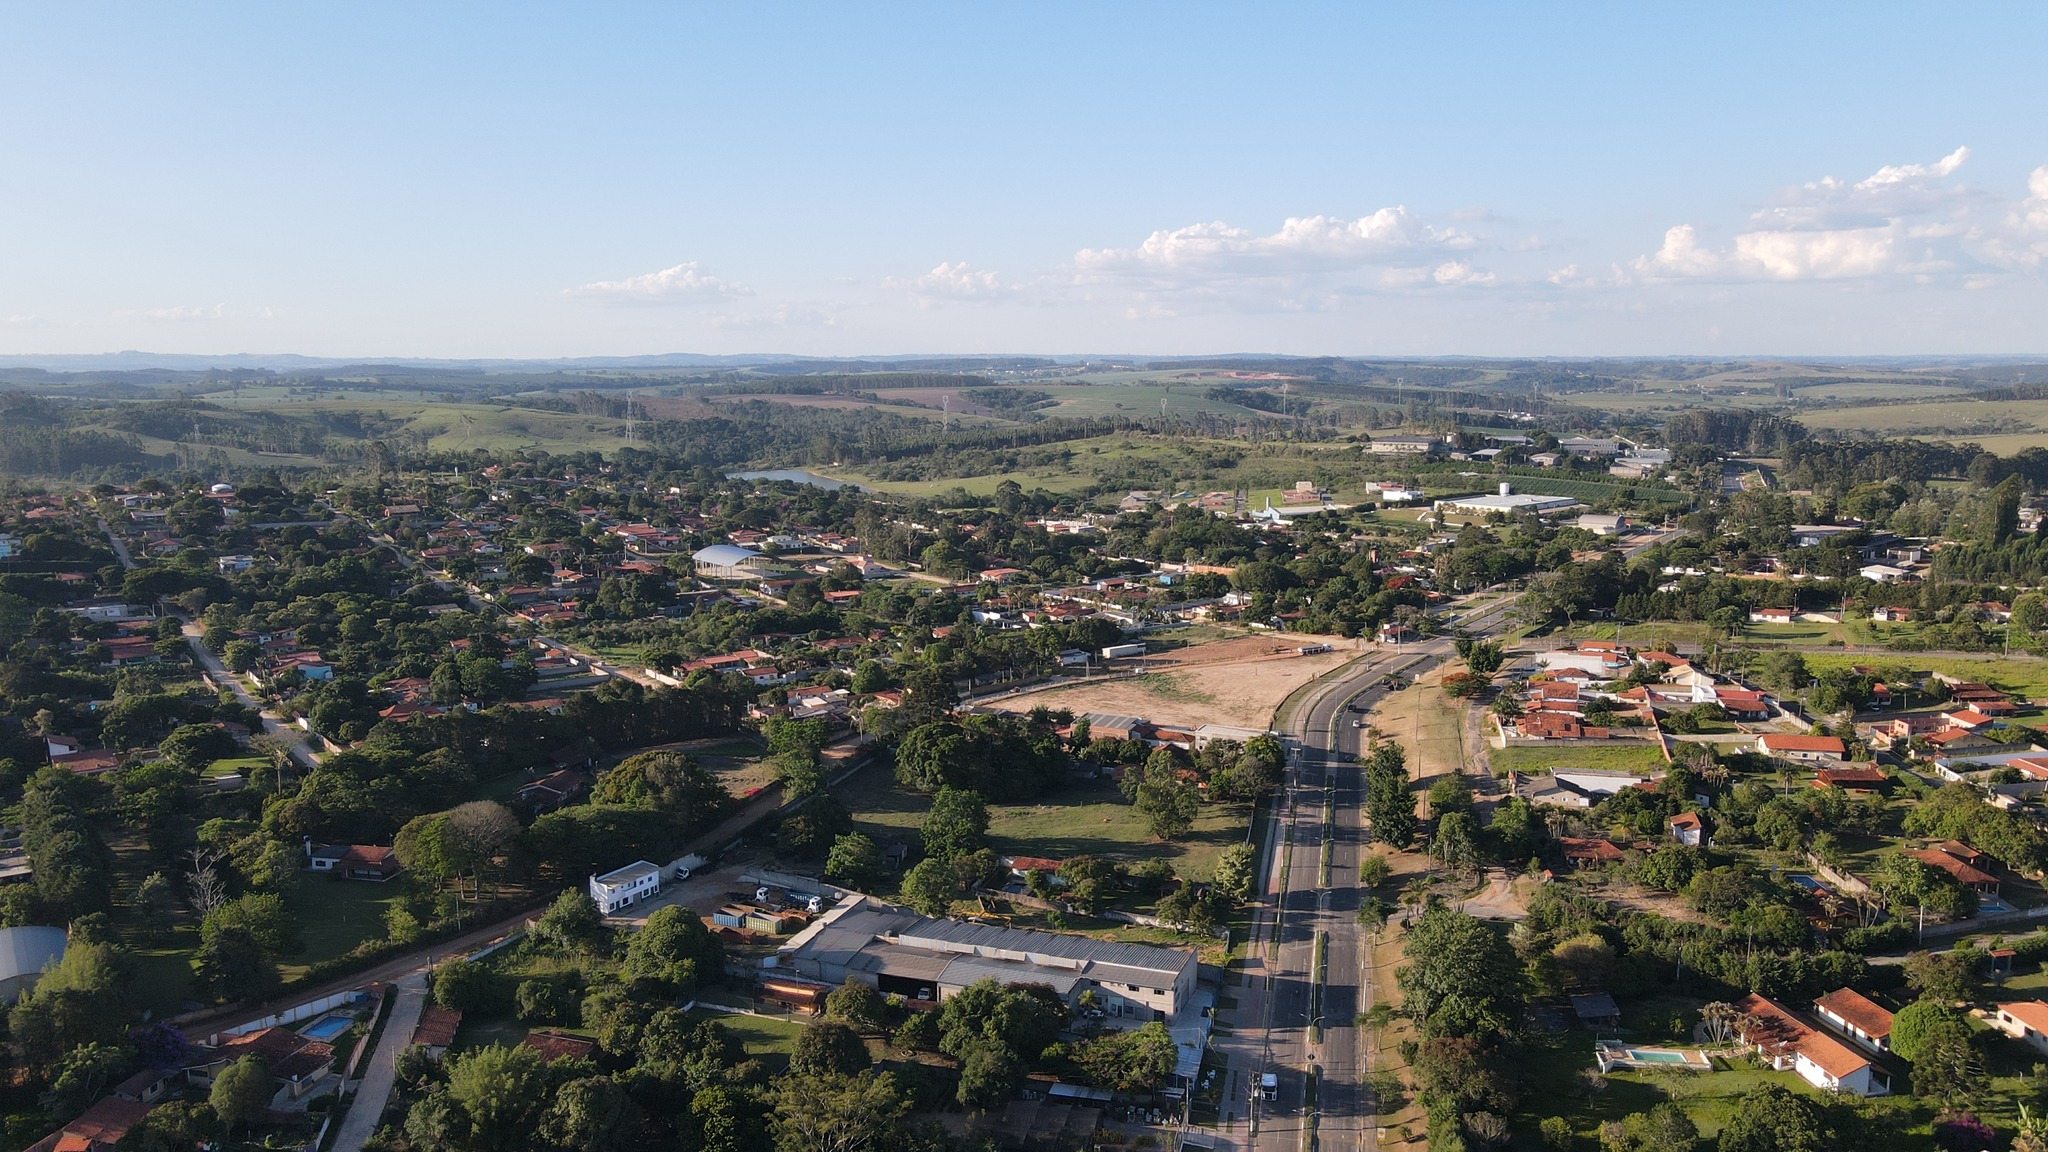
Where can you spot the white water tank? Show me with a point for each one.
(1504, 488)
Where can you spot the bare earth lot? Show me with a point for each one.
(1238, 682)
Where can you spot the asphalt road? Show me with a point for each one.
(1286, 1020)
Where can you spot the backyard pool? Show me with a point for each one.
(327, 1027)
(1652, 1056)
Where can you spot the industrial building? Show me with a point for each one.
(732, 562)
(1508, 501)
(895, 950)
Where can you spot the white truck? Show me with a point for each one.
(1269, 1086)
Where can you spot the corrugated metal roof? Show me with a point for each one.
(27, 950)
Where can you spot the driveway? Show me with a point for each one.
(373, 1092)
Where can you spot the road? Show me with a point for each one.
(373, 1091)
(1285, 1020)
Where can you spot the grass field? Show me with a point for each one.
(335, 915)
(2025, 675)
(1082, 819)
(767, 1039)
(1629, 757)
(447, 426)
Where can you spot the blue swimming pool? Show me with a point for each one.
(327, 1027)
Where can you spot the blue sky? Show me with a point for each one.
(498, 180)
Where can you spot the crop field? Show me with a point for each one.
(2021, 422)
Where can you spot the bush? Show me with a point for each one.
(544, 1002)
(463, 986)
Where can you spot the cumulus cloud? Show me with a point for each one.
(1304, 245)
(953, 281)
(680, 282)
(1904, 220)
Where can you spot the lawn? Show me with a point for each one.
(767, 1038)
(234, 766)
(1631, 757)
(335, 915)
(1081, 819)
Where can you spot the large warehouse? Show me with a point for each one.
(732, 562)
(1508, 501)
(896, 950)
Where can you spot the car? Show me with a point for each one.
(1358, 723)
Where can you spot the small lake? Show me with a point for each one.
(795, 476)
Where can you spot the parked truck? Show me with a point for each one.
(688, 866)
(775, 897)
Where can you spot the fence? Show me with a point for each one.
(292, 1015)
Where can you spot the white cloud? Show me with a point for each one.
(954, 281)
(1453, 272)
(1905, 220)
(1205, 253)
(675, 283)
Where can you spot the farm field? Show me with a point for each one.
(447, 426)
(2022, 421)
(1238, 682)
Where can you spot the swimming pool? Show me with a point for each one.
(1652, 1056)
(327, 1027)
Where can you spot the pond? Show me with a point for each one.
(795, 476)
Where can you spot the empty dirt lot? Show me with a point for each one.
(1238, 682)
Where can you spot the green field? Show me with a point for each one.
(768, 1039)
(1622, 757)
(1081, 819)
(2026, 676)
(335, 915)
(446, 426)
(2013, 424)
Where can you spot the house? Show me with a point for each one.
(436, 1029)
(622, 887)
(98, 1129)
(1404, 446)
(1789, 1044)
(1856, 778)
(552, 790)
(1856, 1016)
(1741, 704)
(1807, 749)
(355, 861)
(553, 1045)
(1885, 614)
(1951, 740)
(1771, 615)
(2025, 1020)
(1687, 829)
(296, 1061)
(1002, 575)
(1589, 851)
(1968, 875)
(897, 951)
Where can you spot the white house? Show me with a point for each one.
(1856, 1016)
(2025, 1020)
(1790, 1044)
(623, 887)
(1808, 749)
(1687, 829)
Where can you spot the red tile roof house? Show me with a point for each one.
(1968, 876)
(2025, 1020)
(98, 1129)
(436, 1029)
(355, 861)
(553, 1045)
(1856, 1016)
(1858, 778)
(1789, 1043)
(553, 790)
(1811, 749)
(1688, 829)
(296, 1061)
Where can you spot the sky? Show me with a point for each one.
(500, 180)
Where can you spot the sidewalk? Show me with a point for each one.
(366, 1106)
